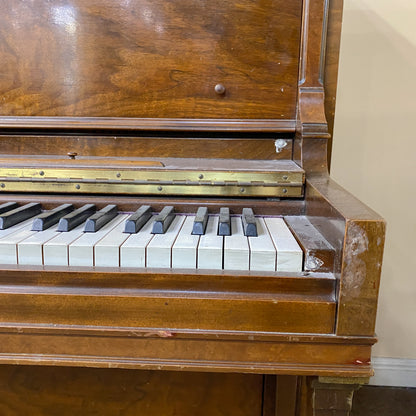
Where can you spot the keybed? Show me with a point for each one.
(271, 247)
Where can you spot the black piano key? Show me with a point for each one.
(8, 206)
(136, 221)
(76, 217)
(224, 223)
(49, 218)
(200, 221)
(163, 220)
(249, 223)
(18, 215)
(100, 218)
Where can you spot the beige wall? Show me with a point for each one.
(374, 152)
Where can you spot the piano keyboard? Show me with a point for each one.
(274, 248)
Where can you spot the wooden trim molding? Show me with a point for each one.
(145, 124)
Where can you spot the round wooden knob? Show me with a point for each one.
(219, 89)
(72, 155)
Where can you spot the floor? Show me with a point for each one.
(384, 401)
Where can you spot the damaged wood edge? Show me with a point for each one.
(184, 334)
(360, 277)
(362, 253)
(347, 371)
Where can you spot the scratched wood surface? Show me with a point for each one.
(149, 58)
(47, 391)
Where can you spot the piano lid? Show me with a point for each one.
(117, 63)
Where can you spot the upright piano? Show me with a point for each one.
(171, 242)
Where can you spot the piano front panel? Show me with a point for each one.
(152, 59)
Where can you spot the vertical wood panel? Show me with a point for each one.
(63, 391)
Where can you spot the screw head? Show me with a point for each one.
(41, 173)
(219, 89)
(201, 176)
(118, 175)
(2, 185)
(159, 188)
(78, 186)
(284, 190)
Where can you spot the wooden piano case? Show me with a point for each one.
(184, 103)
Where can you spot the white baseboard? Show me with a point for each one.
(397, 372)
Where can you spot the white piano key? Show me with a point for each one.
(210, 248)
(55, 251)
(262, 250)
(107, 250)
(184, 250)
(30, 250)
(159, 250)
(9, 239)
(289, 254)
(81, 251)
(133, 251)
(17, 227)
(236, 249)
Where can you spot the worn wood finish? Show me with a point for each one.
(68, 391)
(332, 399)
(360, 277)
(361, 256)
(185, 351)
(319, 255)
(150, 59)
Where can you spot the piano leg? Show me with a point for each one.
(333, 396)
